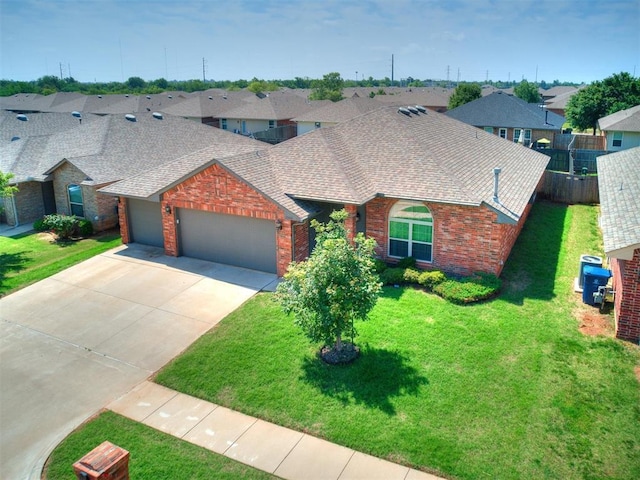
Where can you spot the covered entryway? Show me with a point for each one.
(231, 239)
(145, 222)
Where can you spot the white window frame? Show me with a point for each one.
(502, 133)
(614, 139)
(73, 204)
(223, 123)
(398, 207)
(272, 124)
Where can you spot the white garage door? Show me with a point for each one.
(230, 239)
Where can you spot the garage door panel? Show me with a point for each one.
(230, 239)
(145, 222)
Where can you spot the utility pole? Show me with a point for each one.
(448, 84)
(60, 70)
(458, 80)
(536, 74)
(203, 71)
(486, 80)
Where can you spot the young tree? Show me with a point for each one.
(527, 92)
(334, 287)
(329, 88)
(615, 93)
(464, 93)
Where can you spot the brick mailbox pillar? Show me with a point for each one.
(105, 462)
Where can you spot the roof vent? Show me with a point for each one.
(130, 117)
(413, 110)
(157, 115)
(496, 175)
(404, 111)
(76, 114)
(170, 96)
(99, 96)
(421, 109)
(13, 139)
(148, 97)
(126, 95)
(22, 117)
(210, 97)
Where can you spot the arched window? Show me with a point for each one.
(411, 231)
(75, 200)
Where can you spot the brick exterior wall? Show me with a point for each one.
(99, 209)
(465, 239)
(626, 284)
(216, 190)
(29, 204)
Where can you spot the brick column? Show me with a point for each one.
(350, 223)
(122, 219)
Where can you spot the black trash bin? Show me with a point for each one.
(594, 277)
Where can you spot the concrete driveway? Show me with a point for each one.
(72, 343)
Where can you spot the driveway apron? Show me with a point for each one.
(74, 342)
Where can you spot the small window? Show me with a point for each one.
(272, 124)
(411, 231)
(318, 125)
(75, 200)
(223, 124)
(617, 139)
(502, 132)
(488, 129)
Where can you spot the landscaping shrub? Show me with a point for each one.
(63, 226)
(479, 286)
(379, 266)
(40, 225)
(407, 262)
(85, 228)
(431, 278)
(393, 276)
(411, 275)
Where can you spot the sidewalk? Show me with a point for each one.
(277, 450)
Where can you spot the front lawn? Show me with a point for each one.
(152, 454)
(30, 257)
(504, 389)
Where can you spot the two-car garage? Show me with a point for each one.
(231, 239)
(234, 240)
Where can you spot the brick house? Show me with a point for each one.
(507, 116)
(58, 167)
(619, 185)
(420, 183)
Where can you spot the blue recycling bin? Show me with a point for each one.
(594, 277)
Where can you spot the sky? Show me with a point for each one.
(467, 40)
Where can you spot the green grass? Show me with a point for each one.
(503, 389)
(30, 257)
(152, 454)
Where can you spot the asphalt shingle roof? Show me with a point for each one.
(336, 112)
(623, 121)
(502, 110)
(619, 185)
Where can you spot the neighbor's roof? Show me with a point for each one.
(38, 124)
(341, 111)
(619, 185)
(503, 110)
(275, 106)
(112, 148)
(623, 121)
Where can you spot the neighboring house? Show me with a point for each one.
(621, 129)
(509, 117)
(206, 107)
(268, 111)
(334, 113)
(557, 91)
(61, 172)
(402, 179)
(619, 185)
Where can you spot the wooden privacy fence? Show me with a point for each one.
(582, 141)
(559, 160)
(565, 188)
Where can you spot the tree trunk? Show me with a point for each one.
(339, 343)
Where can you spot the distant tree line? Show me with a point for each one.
(135, 85)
